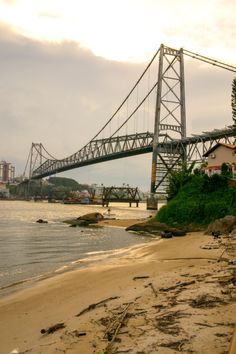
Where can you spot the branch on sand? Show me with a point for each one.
(98, 304)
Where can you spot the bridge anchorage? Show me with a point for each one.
(158, 100)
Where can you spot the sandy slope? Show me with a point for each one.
(167, 296)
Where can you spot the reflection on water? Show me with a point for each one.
(28, 249)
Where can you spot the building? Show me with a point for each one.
(219, 154)
(7, 172)
(4, 192)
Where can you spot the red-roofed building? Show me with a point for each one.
(219, 154)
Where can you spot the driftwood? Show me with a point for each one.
(168, 322)
(141, 277)
(206, 301)
(178, 285)
(153, 289)
(113, 330)
(177, 345)
(76, 333)
(93, 306)
(53, 328)
(204, 324)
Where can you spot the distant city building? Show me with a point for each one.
(7, 172)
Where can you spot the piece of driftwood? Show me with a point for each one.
(204, 324)
(206, 301)
(76, 333)
(177, 345)
(98, 304)
(141, 277)
(178, 285)
(53, 328)
(153, 289)
(232, 349)
(113, 330)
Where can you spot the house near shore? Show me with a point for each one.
(219, 154)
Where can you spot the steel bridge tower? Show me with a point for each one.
(170, 116)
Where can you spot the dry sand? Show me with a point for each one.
(167, 296)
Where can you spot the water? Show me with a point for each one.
(29, 249)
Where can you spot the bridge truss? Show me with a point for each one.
(168, 142)
(124, 146)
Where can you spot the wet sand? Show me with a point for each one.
(167, 296)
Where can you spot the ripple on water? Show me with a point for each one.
(32, 250)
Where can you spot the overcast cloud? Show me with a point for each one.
(61, 93)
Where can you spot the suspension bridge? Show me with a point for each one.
(157, 100)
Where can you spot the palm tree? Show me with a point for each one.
(233, 100)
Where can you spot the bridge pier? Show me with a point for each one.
(152, 202)
(130, 204)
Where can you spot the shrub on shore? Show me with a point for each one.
(199, 201)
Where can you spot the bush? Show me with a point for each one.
(199, 201)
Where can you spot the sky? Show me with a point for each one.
(66, 65)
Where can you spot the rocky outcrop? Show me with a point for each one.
(93, 217)
(41, 221)
(85, 220)
(156, 228)
(222, 226)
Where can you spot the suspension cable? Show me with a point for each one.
(48, 153)
(27, 163)
(134, 111)
(126, 98)
(40, 153)
(210, 61)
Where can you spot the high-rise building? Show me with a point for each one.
(7, 172)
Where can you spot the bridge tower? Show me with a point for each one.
(35, 157)
(34, 160)
(170, 116)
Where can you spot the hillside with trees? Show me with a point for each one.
(196, 199)
(64, 182)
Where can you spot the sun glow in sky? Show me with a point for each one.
(128, 30)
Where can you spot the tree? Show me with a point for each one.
(233, 100)
(179, 178)
(64, 182)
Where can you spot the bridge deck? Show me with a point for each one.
(101, 150)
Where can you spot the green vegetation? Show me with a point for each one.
(54, 188)
(199, 199)
(233, 100)
(64, 182)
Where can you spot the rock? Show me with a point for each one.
(91, 217)
(41, 221)
(221, 226)
(167, 234)
(155, 227)
(85, 220)
(178, 233)
(233, 232)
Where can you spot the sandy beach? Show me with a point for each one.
(167, 296)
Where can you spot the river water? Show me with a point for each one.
(29, 250)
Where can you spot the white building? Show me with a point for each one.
(219, 154)
(7, 172)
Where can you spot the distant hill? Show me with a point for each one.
(64, 182)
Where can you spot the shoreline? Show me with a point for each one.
(8, 289)
(159, 281)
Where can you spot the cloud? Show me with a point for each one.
(10, 2)
(61, 94)
(57, 94)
